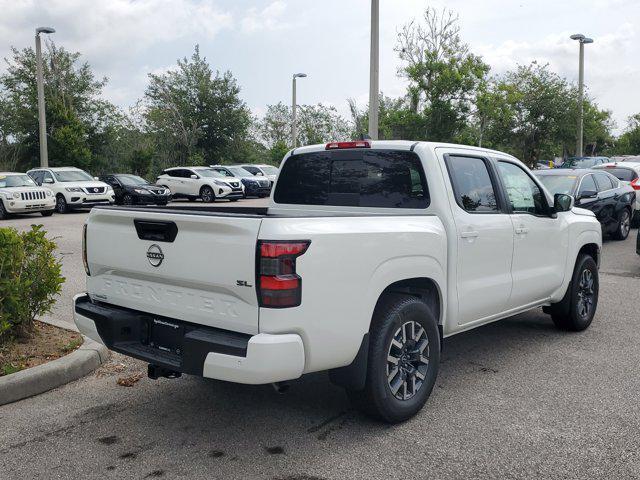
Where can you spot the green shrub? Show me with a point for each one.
(30, 279)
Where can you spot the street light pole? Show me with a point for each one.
(583, 40)
(42, 119)
(294, 107)
(374, 70)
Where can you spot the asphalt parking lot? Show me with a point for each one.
(516, 398)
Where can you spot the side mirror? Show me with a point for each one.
(562, 202)
(47, 180)
(587, 194)
(194, 177)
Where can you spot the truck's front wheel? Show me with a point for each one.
(578, 307)
(404, 355)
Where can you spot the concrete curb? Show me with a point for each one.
(33, 381)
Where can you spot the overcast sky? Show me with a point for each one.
(264, 41)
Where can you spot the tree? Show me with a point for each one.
(316, 124)
(629, 142)
(75, 113)
(195, 115)
(443, 74)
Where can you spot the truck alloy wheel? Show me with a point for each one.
(407, 360)
(403, 359)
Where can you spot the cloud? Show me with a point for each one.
(269, 18)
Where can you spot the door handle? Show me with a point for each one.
(522, 230)
(469, 234)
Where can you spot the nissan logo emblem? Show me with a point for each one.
(95, 190)
(155, 255)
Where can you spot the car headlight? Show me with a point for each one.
(16, 195)
(140, 191)
(73, 189)
(221, 183)
(49, 193)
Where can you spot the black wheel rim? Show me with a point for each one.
(407, 360)
(586, 293)
(61, 204)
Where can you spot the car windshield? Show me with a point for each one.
(240, 172)
(72, 176)
(579, 163)
(209, 172)
(16, 181)
(624, 174)
(269, 170)
(131, 180)
(559, 183)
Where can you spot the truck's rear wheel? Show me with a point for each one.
(404, 355)
(578, 306)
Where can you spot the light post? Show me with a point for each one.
(42, 120)
(294, 107)
(583, 40)
(374, 64)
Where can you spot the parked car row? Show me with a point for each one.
(62, 189)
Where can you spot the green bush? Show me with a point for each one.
(30, 279)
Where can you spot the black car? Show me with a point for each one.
(598, 191)
(132, 189)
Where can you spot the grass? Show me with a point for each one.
(8, 369)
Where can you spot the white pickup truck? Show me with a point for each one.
(368, 256)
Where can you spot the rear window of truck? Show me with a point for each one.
(354, 178)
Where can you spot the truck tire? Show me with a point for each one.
(403, 359)
(624, 225)
(578, 306)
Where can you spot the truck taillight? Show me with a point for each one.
(341, 145)
(278, 284)
(84, 249)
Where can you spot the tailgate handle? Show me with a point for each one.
(156, 230)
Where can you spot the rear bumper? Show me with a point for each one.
(199, 350)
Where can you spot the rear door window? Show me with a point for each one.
(472, 185)
(604, 182)
(354, 178)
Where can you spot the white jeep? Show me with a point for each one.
(20, 194)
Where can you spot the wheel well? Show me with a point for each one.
(207, 186)
(424, 288)
(592, 250)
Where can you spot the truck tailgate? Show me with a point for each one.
(205, 275)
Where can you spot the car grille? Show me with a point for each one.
(94, 189)
(39, 195)
(234, 184)
(158, 192)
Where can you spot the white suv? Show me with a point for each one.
(19, 194)
(261, 170)
(200, 182)
(73, 188)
